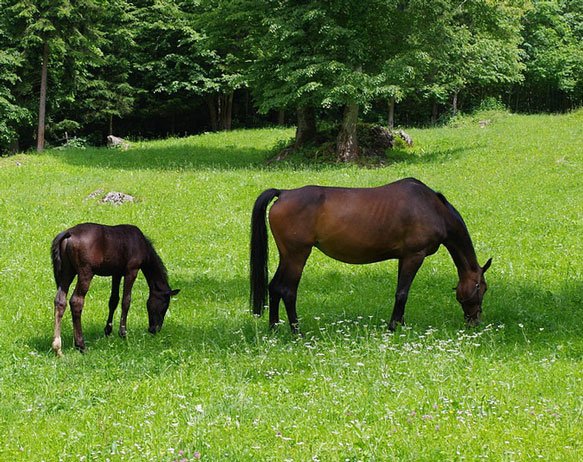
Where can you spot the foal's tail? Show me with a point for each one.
(259, 251)
(56, 254)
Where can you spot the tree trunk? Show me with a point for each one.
(306, 130)
(221, 112)
(40, 140)
(229, 111)
(110, 124)
(434, 113)
(280, 117)
(213, 112)
(347, 143)
(455, 95)
(392, 113)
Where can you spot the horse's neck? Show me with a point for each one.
(459, 244)
(155, 273)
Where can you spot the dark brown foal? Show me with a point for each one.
(90, 249)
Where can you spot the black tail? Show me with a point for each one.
(259, 251)
(56, 254)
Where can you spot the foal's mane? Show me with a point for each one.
(153, 265)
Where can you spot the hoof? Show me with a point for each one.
(295, 328)
(59, 353)
(107, 330)
(57, 347)
(123, 333)
(81, 349)
(394, 323)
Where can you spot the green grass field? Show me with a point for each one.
(216, 384)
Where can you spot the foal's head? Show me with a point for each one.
(157, 307)
(470, 293)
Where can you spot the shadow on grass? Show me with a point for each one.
(214, 314)
(182, 157)
(395, 156)
(194, 153)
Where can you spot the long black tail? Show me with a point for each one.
(56, 254)
(259, 251)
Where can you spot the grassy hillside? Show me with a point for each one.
(216, 384)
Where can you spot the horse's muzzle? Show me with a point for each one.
(474, 322)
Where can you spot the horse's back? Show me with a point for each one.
(105, 250)
(361, 225)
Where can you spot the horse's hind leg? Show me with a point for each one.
(113, 301)
(60, 307)
(274, 298)
(285, 286)
(77, 301)
(408, 268)
(128, 283)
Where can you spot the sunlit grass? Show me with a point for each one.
(215, 384)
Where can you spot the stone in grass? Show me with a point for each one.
(97, 192)
(116, 142)
(117, 198)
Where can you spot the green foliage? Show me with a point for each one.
(472, 43)
(319, 54)
(491, 103)
(11, 115)
(553, 33)
(154, 60)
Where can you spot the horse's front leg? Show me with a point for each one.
(113, 301)
(128, 283)
(77, 301)
(408, 268)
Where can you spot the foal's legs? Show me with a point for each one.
(408, 268)
(128, 283)
(60, 307)
(113, 301)
(285, 285)
(77, 301)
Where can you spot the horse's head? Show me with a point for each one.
(157, 307)
(470, 293)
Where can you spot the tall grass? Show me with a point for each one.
(216, 384)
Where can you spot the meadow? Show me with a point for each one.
(217, 385)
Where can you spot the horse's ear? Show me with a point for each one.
(486, 266)
(174, 292)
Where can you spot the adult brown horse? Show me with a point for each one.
(117, 251)
(405, 220)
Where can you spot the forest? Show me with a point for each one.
(75, 71)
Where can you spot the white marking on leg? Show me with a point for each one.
(57, 347)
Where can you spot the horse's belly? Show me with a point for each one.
(105, 270)
(358, 254)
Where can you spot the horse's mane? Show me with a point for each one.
(153, 264)
(453, 211)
